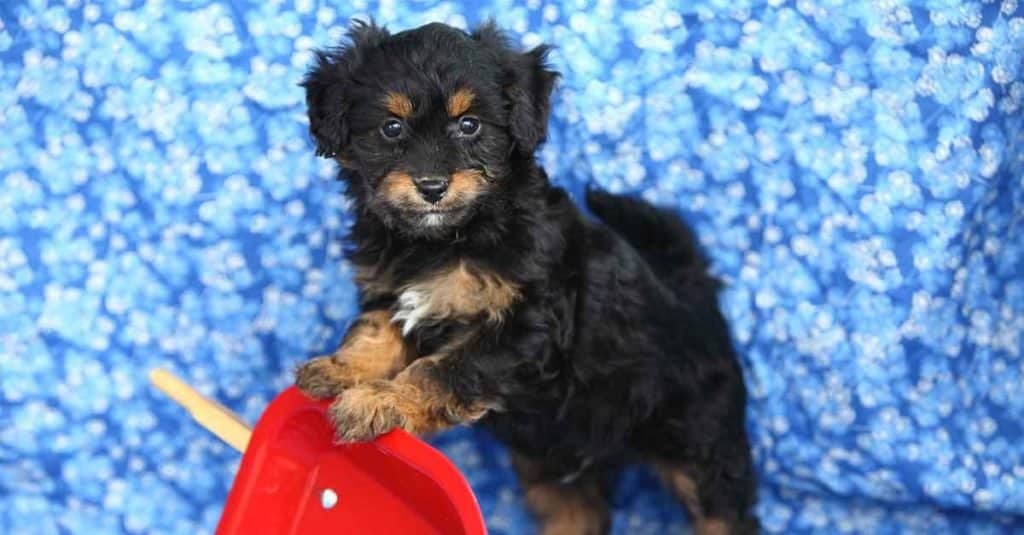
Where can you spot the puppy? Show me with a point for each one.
(487, 297)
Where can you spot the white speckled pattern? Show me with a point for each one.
(854, 168)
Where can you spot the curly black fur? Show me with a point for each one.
(616, 350)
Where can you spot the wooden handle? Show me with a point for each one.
(215, 417)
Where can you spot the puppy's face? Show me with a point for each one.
(428, 121)
(430, 152)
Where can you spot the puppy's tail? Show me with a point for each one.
(659, 235)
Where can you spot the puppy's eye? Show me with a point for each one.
(469, 126)
(392, 128)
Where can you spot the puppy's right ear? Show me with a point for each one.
(328, 83)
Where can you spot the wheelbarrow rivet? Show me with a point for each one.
(328, 498)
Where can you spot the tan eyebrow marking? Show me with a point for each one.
(459, 102)
(398, 104)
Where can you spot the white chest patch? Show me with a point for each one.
(456, 292)
(413, 307)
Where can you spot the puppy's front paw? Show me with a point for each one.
(323, 377)
(364, 413)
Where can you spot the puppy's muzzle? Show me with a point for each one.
(431, 188)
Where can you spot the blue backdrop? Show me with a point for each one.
(854, 168)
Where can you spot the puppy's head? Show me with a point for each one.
(428, 121)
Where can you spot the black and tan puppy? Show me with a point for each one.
(487, 297)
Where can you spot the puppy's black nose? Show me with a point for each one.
(432, 188)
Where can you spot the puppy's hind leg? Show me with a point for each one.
(718, 495)
(565, 506)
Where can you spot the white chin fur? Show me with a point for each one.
(433, 220)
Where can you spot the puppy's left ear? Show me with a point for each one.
(529, 95)
(528, 85)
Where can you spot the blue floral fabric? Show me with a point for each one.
(854, 168)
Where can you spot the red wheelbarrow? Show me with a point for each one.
(293, 480)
